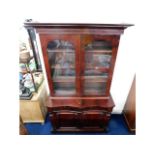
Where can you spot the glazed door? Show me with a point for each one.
(98, 54)
(62, 63)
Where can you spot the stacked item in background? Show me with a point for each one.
(29, 78)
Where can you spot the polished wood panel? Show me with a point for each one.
(86, 39)
(75, 25)
(77, 28)
(79, 31)
(81, 116)
(75, 39)
(130, 108)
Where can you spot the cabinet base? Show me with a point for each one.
(85, 129)
(81, 118)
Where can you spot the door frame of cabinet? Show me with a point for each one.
(75, 39)
(87, 38)
(78, 42)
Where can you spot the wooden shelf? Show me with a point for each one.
(90, 65)
(94, 78)
(103, 69)
(25, 72)
(56, 67)
(97, 51)
(88, 78)
(64, 79)
(64, 50)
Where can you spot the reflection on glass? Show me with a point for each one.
(61, 55)
(97, 63)
(64, 88)
(97, 58)
(99, 45)
(94, 88)
(95, 72)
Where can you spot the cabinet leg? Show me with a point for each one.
(54, 129)
(106, 129)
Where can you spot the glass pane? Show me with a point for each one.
(64, 88)
(97, 63)
(99, 45)
(94, 88)
(61, 55)
(97, 58)
(95, 72)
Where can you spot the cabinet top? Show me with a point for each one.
(30, 24)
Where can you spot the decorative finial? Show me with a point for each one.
(28, 20)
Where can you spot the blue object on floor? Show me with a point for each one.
(117, 126)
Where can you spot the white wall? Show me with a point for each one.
(125, 69)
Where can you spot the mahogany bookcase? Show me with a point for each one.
(79, 61)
